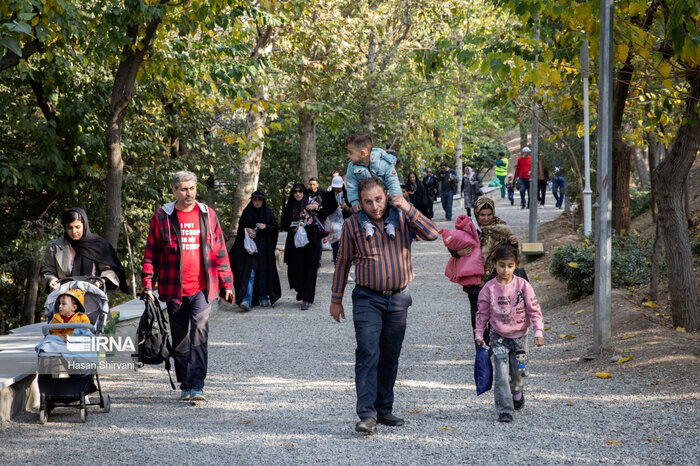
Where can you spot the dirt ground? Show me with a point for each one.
(660, 353)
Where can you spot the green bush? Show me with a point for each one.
(640, 201)
(574, 264)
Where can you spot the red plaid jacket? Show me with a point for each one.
(162, 260)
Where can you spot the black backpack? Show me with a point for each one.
(153, 339)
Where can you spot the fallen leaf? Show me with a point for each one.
(563, 380)
(567, 336)
(573, 323)
(651, 439)
(537, 277)
(573, 265)
(653, 343)
(414, 411)
(579, 311)
(549, 287)
(448, 428)
(613, 442)
(627, 337)
(549, 327)
(629, 293)
(587, 370)
(244, 422)
(285, 315)
(624, 360)
(680, 329)
(649, 304)
(290, 444)
(603, 375)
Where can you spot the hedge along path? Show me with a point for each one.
(281, 391)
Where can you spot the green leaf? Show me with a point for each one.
(12, 45)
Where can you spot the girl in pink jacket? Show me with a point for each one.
(509, 304)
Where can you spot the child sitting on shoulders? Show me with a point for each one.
(71, 309)
(509, 304)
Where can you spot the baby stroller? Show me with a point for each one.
(66, 378)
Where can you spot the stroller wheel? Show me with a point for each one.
(105, 403)
(83, 408)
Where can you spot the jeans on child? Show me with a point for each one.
(391, 219)
(508, 380)
(262, 286)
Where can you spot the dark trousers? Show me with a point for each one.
(558, 185)
(524, 188)
(335, 247)
(189, 326)
(446, 197)
(542, 190)
(380, 325)
(430, 207)
(473, 295)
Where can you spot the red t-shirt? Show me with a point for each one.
(194, 279)
(522, 168)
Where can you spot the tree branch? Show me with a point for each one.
(11, 59)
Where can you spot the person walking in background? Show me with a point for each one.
(417, 194)
(380, 299)
(315, 191)
(509, 304)
(431, 187)
(502, 171)
(335, 208)
(186, 250)
(558, 184)
(302, 262)
(510, 188)
(542, 179)
(447, 180)
(470, 186)
(522, 175)
(255, 275)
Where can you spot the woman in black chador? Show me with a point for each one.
(302, 263)
(255, 275)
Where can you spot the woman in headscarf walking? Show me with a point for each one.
(81, 253)
(470, 185)
(255, 275)
(302, 262)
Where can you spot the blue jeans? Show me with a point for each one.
(524, 188)
(558, 189)
(380, 326)
(511, 194)
(189, 326)
(262, 286)
(446, 197)
(508, 380)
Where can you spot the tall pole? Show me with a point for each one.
(603, 232)
(534, 155)
(587, 192)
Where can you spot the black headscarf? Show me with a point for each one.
(298, 209)
(256, 215)
(90, 248)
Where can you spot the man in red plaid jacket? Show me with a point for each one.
(186, 254)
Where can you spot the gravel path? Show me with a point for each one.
(281, 391)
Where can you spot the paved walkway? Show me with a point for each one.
(281, 391)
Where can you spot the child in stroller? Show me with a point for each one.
(66, 378)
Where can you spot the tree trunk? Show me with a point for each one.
(249, 168)
(686, 206)
(655, 269)
(641, 166)
(523, 134)
(685, 309)
(122, 93)
(31, 290)
(622, 165)
(653, 159)
(307, 145)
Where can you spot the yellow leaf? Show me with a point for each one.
(573, 323)
(603, 375)
(537, 277)
(290, 444)
(548, 327)
(413, 411)
(627, 337)
(244, 422)
(579, 312)
(622, 51)
(668, 84)
(448, 428)
(680, 329)
(665, 69)
(567, 336)
(650, 304)
(573, 265)
(651, 439)
(653, 343)
(613, 442)
(629, 293)
(624, 360)
(285, 315)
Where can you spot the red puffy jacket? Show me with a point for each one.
(465, 270)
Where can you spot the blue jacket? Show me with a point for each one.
(381, 164)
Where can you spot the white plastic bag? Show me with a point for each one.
(300, 237)
(325, 244)
(249, 244)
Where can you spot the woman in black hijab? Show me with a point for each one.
(417, 194)
(302, 263)
(255, 275)
(79, 252)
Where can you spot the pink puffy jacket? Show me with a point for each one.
(465, 270)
